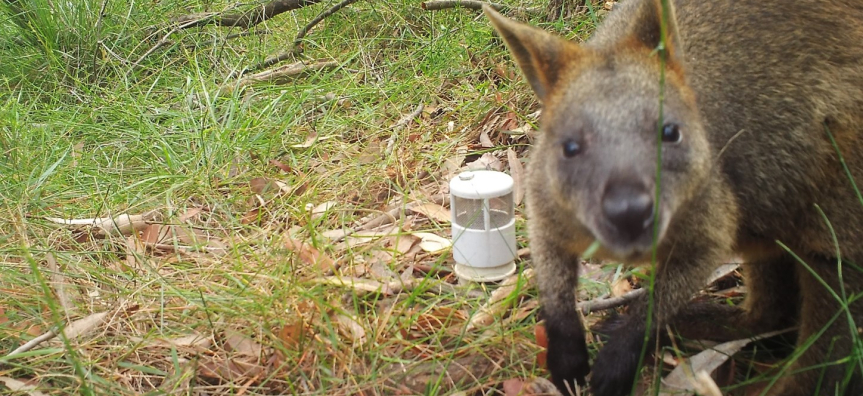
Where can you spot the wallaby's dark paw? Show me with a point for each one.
(608, 326)
(616, 365)
(614, 371)
(568, 363)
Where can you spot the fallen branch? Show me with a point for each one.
(30, 345)
(285, 73)
(408, 117)
(159, 44)
(365, 286)
(391, 142)
(297, 46)
(121, 225)
(246, 19)
(436, 5)
(396, 213)
(587, 307)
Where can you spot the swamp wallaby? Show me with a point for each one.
(754, 95)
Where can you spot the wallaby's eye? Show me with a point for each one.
(571, 148)
(671, 133)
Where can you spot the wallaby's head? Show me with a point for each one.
(597, 151)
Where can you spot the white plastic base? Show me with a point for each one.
(487, 274)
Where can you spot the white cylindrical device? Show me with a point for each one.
(483, 225)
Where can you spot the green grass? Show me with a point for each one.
(84, 133)
(87, 130)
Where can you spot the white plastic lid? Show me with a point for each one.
(481, 184)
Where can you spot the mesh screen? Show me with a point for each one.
(469, 213)
(500, 210)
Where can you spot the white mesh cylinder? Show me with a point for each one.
(483, 222)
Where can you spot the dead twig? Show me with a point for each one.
(396, 213)
(246, 19)
(391, 142)
(30, 345)
(587, 307)
(365, 286)
(297, 46)
(285, 73)
(58, 280)
(159, 44)
(231, 36)
(296, 49)
(408, 117)
(436, 5)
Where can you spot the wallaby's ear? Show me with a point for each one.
(647, 28)
(541, 56)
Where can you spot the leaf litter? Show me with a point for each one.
(388, 288)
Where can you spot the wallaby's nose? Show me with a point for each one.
(629, 207)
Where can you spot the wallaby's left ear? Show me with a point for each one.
(647, 28)
(543, 58)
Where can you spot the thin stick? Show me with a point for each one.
(436, 5)
(297, 47)
(246, 19)
(31, 344)
(587, 307)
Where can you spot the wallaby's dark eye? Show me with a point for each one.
(571, 148)
(671, 133)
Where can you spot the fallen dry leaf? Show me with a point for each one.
(433, 211)
(708, 360)
(311, 140)
(487, 161)
(59, 282)
(370, 286)
(16, 385)
(280, 165)
(352, 328)
(242, 344)
(496, 303)
(263, 186)
(513, 387)
(84, 325)
(403, 243)
(293, 335)
(309, 255)
(253, 216)
(189, 214)
(516, 170)
(363, 237)
(337, 234)
(621, 286)
(191, 340)
(484, 140)
(432, 243)
(319, 210)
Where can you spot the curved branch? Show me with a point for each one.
(302, 33)
(435, 5)
(244, 20)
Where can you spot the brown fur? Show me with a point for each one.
(753, 88)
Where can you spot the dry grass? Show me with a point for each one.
(227, 286)
(240, 277)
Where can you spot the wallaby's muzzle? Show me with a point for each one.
(628, 207)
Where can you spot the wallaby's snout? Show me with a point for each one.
(628, 207)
